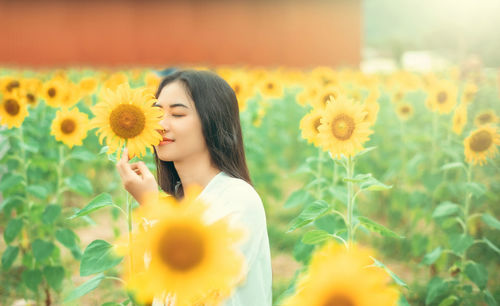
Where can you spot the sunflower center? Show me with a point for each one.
(12, 85)
(181, 248)
(343, 127)
(270, 86)
(31, 98)
(339, 300)
(52, 92)
(68, 126)
(316, 124)
(441, 97)
(237, 89)
(481, 141)
(127, 121)
(405, 109)
(12, 107)
(485, 118)
(469, 96)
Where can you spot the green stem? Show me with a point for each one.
(434, 139)
(468, 196)
(350, 198)
(60, 168)
(320, 168)
(129, 221)
(115, 278)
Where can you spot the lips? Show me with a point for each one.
(165, 140)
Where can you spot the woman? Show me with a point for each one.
(203, 145)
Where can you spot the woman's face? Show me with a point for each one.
(183, 137)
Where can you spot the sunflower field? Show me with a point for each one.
(379, 189)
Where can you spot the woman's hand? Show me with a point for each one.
(136, 178)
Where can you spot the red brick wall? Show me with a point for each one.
(273, 32)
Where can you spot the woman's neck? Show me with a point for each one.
(197, 170)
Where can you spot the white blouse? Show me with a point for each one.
(227, 195)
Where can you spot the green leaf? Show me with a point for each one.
(82, 155)
(32, 279)
(364, 151)
(375, 227)
(488, 297)
(42, 249)
(8, 256)
(339, 193)
(85, 288)
(102, 200)
(79, 184)
(315, 237)
(491, 221)
(309, 214)
(491, 245)
(460, 243)
(437, 288)
(51, 213)
(374, 184)
(431, 257)
(37, 191)
(476, 189)
(477, 273)
(451, 300)
(445, 209)
(66, 237)
(398, 280)
(10, 202)
(10, 181)
(402, 301)
(301, 196)
(358, 178)
(453, 166)
(98, 257)
(54, 276)
(12, 230)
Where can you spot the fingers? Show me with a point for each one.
(123, 166)
(144, 169)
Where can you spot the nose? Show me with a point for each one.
(165, 123)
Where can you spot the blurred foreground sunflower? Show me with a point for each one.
(338, 276)
(127, 116)
(70, 127)
(188, 259)
(481, 144)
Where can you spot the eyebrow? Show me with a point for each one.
(171, 106)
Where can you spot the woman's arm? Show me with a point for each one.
(136, 177)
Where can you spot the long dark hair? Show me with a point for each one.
(217, 107)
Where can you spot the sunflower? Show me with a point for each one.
(398, 95)
(338, 276)
(239, 82)
(127, 116)
(325, 76)
(404, 110)
(87, 86)
(13, 110)
(188, 258)
(72, 95)
(70, 127)
(115, 80)
(459, 118)
(54, 92)
(152, 80)
(324, 95)
(309, 95)
(469, 92)
(342, 129)
(31, 91)
(271, 87)
(485, 118)
(480, 144)
(442, 97)
(9, 84)
(371, 108)
(309, 126)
